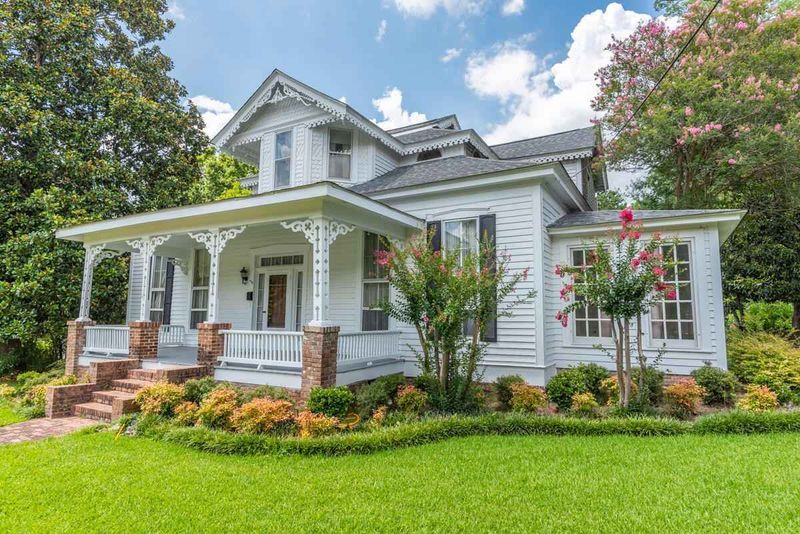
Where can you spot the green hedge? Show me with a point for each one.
(438, 429)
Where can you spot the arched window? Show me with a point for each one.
(429, 154)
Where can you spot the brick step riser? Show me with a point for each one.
(89, 413)
(107, 397)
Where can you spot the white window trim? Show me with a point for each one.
(283, 250)
(688, 344)
(192, 288)
(461, 219)
(352, 154)
(275, 160)
(363, 281)
(157, 289)
(577, 340)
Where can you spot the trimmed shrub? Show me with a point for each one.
(609, 390)
(6, 391)
(379, 392)
(262, 415)
(528, 399)
(196, 389)
(767, 360)
(378, 417)
(579, 379)
(758, 399)
(312, 425)
(218, 407)
(720, 386)
(584, 405)
(682, 399)
(410, 400)
(653, 384)
(333, 402)
(740, 422)
(502, 388)
(160, 398)
(186, 413)
(771, 317)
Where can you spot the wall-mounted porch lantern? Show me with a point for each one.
(244, 274)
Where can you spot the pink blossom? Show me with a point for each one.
(660, 287)
(565, 291)
(741, 25)
(671, 294)
(778, 127)
(442, 268)
(635, 262)
(425, 318)
(382, 257)
(732, 161)
(634, 234)
(525, 273)
(658, 271)
(688, 111)
(644, 255)
(626, 215)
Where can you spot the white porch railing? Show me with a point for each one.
(170, 335)
(263, 348)
(354, 346)
(250, 183)
(109, 339)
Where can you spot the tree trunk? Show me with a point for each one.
(642, 359)
(616, 332)
(627, 341)
(796, 316)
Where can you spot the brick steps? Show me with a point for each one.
(108, 397)
(94, 410)
(129, 385)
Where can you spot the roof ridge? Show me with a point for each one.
(542, 136)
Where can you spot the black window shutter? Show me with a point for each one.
(487, 230)
(168, 292)
(434, 229)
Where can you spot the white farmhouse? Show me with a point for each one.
(232, 285)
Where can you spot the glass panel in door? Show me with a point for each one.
(276, 301)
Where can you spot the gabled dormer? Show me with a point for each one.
(297, 135)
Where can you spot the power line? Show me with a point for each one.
(661, 79)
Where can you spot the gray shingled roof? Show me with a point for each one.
(435, 170)
(397, 131)
(587, 218)
(570, 141)
(423, 135)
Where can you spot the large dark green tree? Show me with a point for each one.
(91, 126)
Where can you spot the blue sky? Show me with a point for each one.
(510, 69)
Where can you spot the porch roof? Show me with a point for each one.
(322, 198)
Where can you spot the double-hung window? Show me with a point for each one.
(159, 307)
(375, 286)
(674, 319)
(200, 278)
(339, 153)
(283, 159)
(590, 322)
(461, 238)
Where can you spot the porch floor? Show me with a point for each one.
(177, 355)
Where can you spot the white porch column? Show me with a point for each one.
(146, 246)
(215, 240)
(93, 254)
(321, 232)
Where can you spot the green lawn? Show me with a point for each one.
(7, 415)
(91, 482)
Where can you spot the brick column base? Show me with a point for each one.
(143, 340)
(210, 343)
(320, 348)
(76, 341)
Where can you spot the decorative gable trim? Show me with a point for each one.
(458, 137)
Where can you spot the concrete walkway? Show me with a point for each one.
(41, 428)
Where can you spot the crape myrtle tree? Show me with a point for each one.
(450, 302)
(623, 278)
(91, 126)
(721, 131)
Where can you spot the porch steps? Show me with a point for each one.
(120, 399)
(94, 410)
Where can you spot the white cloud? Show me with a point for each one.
(450, 54)
(381, 31)
(513, 7)
(390, 105)
(426, 8)
(175, 11)
(536, 99)
(215, 113)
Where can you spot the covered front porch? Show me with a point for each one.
(233, 284)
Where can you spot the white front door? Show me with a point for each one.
(279, 298)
